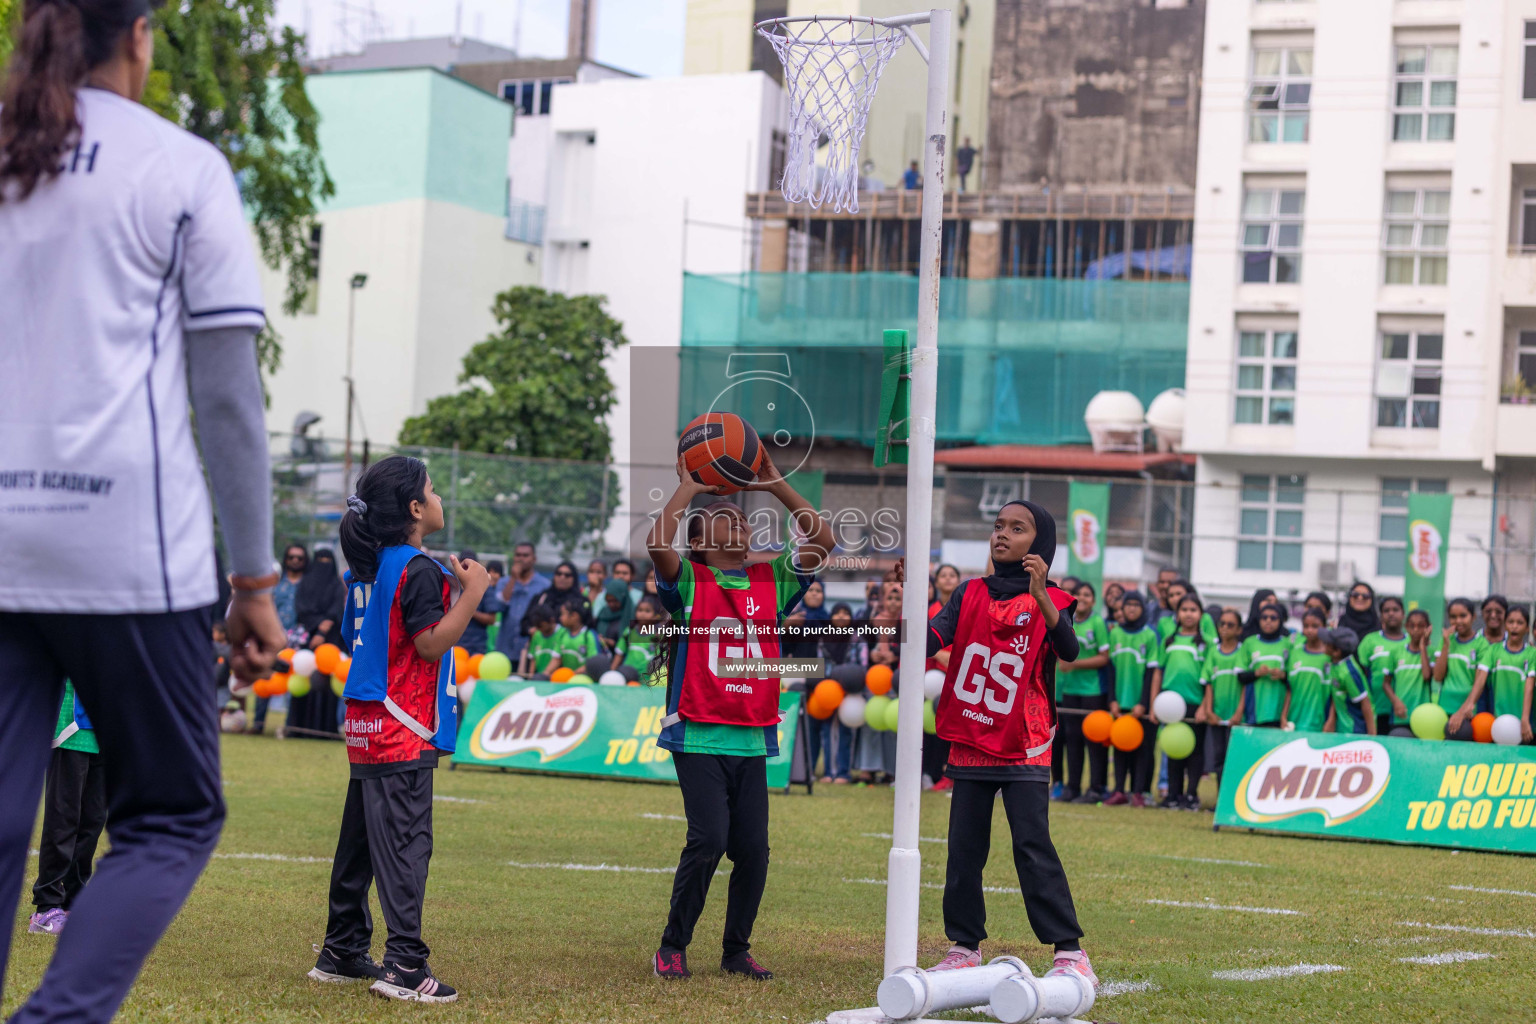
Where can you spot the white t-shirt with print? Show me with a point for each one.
(107, 273)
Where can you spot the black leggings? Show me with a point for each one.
(1184, 773)
(1219, 736)
(1133, 768)
(1076, 744)
(1042, 881)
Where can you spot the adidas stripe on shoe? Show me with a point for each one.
(412, 986)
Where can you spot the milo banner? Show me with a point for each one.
(1088, 514)
(607, 731)
(1429, 532)
(1474, 796)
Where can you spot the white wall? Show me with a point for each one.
(433, 269)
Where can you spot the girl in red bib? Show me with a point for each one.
(998, 711)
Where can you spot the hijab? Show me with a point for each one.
(610, 622)
(1140, 598)
(1280, 630)
(1009, 578)
(820, 612)
(836, 648)
(1251, 627)
(1361, 623)
(555, 595)
(320, 594)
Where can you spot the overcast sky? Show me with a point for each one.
(637, 35)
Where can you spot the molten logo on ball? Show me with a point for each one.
(553, 725)
(1339, 782)
(1424, 548)
(1085, 536)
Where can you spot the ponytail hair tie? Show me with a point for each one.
(356, 504)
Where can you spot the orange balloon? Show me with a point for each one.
(1097, 726)
(279, 684)
(1126, 733)
(561, 675)
(817, 708)
(286, 655)
(327, 656)
(878, 679)
(474, 664)
(461, 656)
(830, 694)
(460, 665)
(259, 688)
(1482, 727)
(342, 668)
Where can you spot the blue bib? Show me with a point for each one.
(365, 628)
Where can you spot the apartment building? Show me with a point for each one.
(1363, 307)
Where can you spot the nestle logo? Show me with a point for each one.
(574, 701)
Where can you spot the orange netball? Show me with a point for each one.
(1482, 727)
(1126, 733)
(1097, 726)
(878, 679)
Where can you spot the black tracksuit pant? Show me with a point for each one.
(1133, 768)
(1184, 773)
(725, 798)
(386, 837)
(1047, 898)
(1078, 746)
(74, 813)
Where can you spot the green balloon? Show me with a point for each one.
(298, 686)
(582, 678)
(1178, 740)
(1428, 722)
(495, 666)
(874, 712)
(337, 686)
(890, 714)
(930, 722)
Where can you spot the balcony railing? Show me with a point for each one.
(1129, 203)
(525, 222)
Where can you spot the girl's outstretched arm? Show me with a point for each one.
(816, 548)
(664, 531)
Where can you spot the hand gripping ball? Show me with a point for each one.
(1428, 722)
(1126, 733)
(722, 450)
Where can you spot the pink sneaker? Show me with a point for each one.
(1117, 799)
(957, 958)
(1074, 962)
(49, 922)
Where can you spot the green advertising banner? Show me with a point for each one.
(1087, 519)
(1475, 796)
(607, 731)
(1429, 533)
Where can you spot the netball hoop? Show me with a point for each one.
(832, 67)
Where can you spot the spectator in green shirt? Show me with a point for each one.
(1455, 668)
(1379, 650)
(576, 642)
(1266, 653)
(1080, 691)
(1133, 651)
(1349, 685)
(1222, 702)
(542, 655)
(1506, 669)
(633, 654)
(1307, 671)
(1181, 670)
(1410, 680)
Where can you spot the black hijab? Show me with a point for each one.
(1251, 627)
(1362, 623)
(1012, 573)
(554, 595)
(320, 594)
(1139, 598)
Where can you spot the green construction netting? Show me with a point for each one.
(1019, 358)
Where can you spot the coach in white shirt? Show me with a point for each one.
(128, 296)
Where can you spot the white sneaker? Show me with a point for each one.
(957, 958)
(1074, 962)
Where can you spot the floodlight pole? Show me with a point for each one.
(904, 869)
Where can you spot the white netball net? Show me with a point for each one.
(831, 68)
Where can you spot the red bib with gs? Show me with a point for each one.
(742, 623)
(994, 695)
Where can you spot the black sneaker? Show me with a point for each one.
(413, 986)
(671, 963)
(331, 966)
(743, 964)
(1171, 803)
(1093, 796)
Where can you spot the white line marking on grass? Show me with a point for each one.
(887, 835)
(926, 885)
(1110, 989)
(664, 817)
(1456, 957)
(283, 857)
(1494, 892)
(622, 868)
(1513, 933)
(1212, 860)
(1267, 973)
(456, 800)
(1224, 906)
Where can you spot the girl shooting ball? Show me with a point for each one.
(401, 621)
(721, 730)
(998, 711)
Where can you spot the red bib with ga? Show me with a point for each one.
(994, 695)
(742, 623)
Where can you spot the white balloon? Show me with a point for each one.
(304, 663)
(1169, 707)
(851, 711)
(467, 689)
(611, 678)
(933, 683)
(1506, 731)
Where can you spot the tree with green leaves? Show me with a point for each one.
(226, 72)
(536, 388)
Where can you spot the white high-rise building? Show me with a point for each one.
(1364, 291)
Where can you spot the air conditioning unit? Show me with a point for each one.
(1336, 575)
(1115, 421)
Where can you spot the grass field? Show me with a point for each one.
(538, 942)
